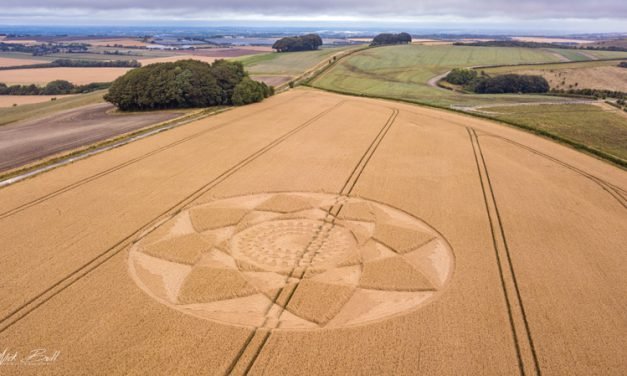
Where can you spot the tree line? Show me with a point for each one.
(58, 87)
(518, 43)
(71, 63)
(507, 83)
(596, 93)
(389, 38)
(306, 42)
(44, 49)
(184, 84)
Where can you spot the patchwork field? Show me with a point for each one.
(12, 62)
(351, 236)
(77, 76)
(605, 75)
(272, 68)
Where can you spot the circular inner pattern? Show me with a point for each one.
(287, 244)
(292, 261)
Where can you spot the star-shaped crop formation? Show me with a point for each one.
(292, 261)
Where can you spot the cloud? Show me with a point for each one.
(370, 9)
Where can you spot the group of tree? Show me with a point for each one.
(389, 38)
(518, 43)
(79, 64)
(186, 83)
(306, 42)
(461, 76)
(58, 87)
(508, 83)
(622, 64)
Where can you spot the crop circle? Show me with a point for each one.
(292, 261)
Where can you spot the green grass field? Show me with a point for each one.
(571, 55)
(557, 66)
(590, 125)
(26, 111)
(606, 54)
(403, 72)
(286, 64)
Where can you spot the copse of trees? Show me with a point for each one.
(510, 83)
(389, 38)
(58, 87)
(186, 83)
(460, 76)
(306, 42)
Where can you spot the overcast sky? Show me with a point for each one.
(569, 15)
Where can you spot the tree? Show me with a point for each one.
(511, 83)
(186, 83)
(298, 43)
(58, 87)
(389, 38)
(248, 91)
(460, 76)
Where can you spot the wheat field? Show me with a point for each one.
(351, 236)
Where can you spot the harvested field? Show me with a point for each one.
(604, 75)
(125, 42)
(10, 100)
(29, 141)
(78, 76)
(353, 236)
(170, 59)
(13, 62)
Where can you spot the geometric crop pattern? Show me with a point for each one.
(292, 261)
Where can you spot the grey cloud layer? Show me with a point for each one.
(369, 8)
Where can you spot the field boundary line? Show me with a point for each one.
(327, 225)
(22, 311)
(526, 349)
(130, 162)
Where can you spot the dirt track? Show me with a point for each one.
(351, 236)
(25, 142)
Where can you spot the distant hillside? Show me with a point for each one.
(616, 43)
